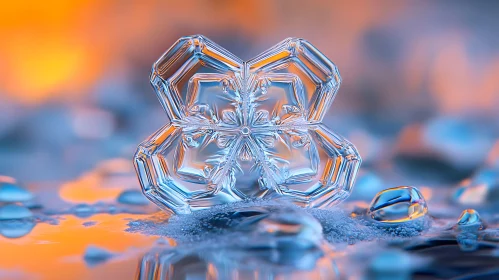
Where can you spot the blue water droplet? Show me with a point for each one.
(16, 228)
(83, 210)
(13, 193)
(13, 211)
(95, 255)
(397, 205)
(132, 197)
(470, 219)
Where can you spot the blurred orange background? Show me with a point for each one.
(58, 49)
(401, 62)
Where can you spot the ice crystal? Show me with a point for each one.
(243, 130)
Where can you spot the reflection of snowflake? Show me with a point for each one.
(244, 129)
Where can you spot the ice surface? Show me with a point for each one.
(244, 130)
(228, 223)
(233, 263)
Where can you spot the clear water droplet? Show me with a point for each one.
(470, 219)
(397, 205)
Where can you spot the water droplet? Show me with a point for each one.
(16, 228)
(95, 255)
(83, 210)
(396, 205)
(10, 192)
(13, 211)
(470, 219)
(132, 197)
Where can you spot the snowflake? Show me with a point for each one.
(244, 130)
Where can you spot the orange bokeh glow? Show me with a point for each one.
(56, 251)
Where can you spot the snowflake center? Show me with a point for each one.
(245, 130)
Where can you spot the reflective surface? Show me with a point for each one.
(60, 233)
(244, 130)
